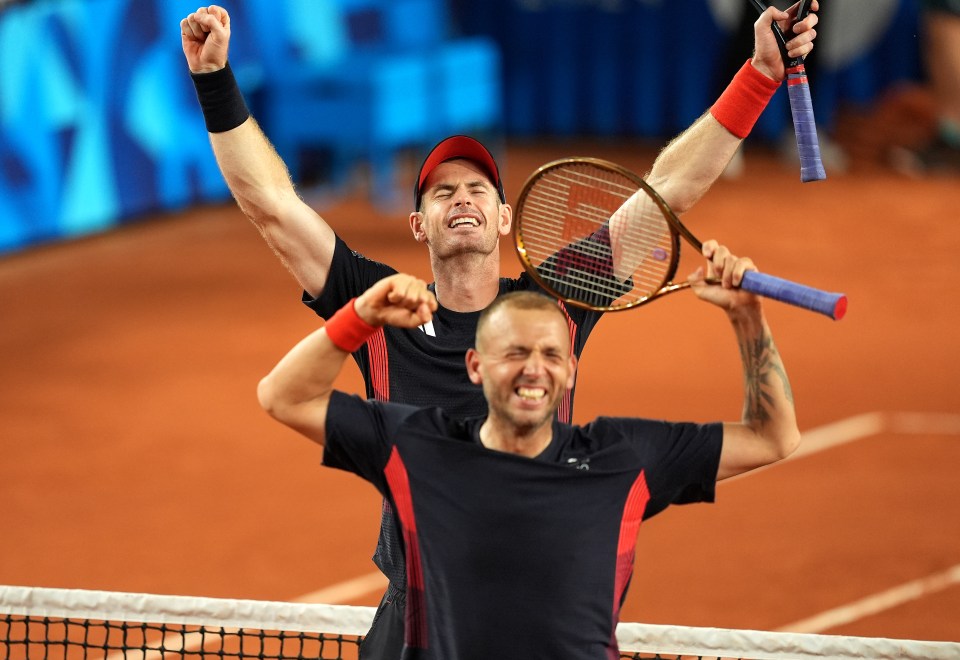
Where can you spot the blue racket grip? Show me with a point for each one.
(833, 305)
(801, 107)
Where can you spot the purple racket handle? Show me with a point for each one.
(804, 125)
(833, 305)
(801, 107)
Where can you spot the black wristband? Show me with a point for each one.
(220, 99)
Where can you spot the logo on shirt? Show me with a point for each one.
(579, 463)
(427, 329)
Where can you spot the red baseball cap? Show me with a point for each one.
(458, 146)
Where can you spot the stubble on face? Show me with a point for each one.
(460, 211)
(527, 368)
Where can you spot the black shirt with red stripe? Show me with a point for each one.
(423, 366)
(515, 557)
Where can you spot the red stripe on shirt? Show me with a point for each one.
(633, 510)
(379, 365)
(565, 411)
(416, 616)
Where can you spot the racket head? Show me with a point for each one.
(577, 237)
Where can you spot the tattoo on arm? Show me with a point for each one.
(762, 367)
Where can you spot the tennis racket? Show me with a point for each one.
(598, 236)
(801, 107)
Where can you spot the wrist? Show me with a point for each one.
(761, 68)
(220, 99)
(744, 100)
(747, 316)
(347, 330)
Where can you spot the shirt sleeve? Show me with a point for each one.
(680, 459)
(350, 274)
(359, 435)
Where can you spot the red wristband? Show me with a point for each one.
(347, 330)
(741, 103)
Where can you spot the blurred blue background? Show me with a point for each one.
(99, 123)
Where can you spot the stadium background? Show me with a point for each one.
(135, 457)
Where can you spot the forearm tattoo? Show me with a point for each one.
(762, 369)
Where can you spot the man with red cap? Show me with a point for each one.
(460, 213)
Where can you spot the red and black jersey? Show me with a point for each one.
(515, 557)
(425, 366)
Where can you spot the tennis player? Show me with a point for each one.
(460, 213)
(520, 530)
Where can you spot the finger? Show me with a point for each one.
(409, 293)
(190, 28)
(716, 265)
(427, 298)
(210, 22)
(425, 312)
(800, 51)
(742, 265)
(729, 266)
(807, 24)
(398, 292)
(696, 277)
(769, 16)
(708, 248)
(220, 14)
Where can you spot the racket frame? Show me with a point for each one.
(666, 286)
(838, 302)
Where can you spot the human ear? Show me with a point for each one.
(506, 219)
(416, 226)
(473, 367)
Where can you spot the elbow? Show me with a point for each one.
(269, 398)
(680, 197)
(266, 206)
(789, 443)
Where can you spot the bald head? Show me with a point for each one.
(524, 301)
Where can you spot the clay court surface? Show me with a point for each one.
(135, 456)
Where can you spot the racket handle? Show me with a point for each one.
(833, 305)
(801, 107)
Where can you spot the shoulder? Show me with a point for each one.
(346, 409)
(654, 432)
(351, 273)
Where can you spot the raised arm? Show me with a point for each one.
(297, 391)
(768, 430)
(692, 162)
(256, 175)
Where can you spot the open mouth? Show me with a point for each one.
(464, 221)
(531, 393)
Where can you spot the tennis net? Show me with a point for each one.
(47, 623)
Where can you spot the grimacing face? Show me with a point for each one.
(524, 363)
(460, 211)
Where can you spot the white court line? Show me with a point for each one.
(877, 603)
(814, 441)
(839, 433)
(343, 592)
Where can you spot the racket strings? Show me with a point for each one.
(595, 237)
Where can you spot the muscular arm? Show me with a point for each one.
(694, 160)
(259, 182)
(767, 431)
(255, 174)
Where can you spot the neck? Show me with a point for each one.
(505, 437)
(468, 283)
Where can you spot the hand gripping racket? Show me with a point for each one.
(801, 107)
(598, 236)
